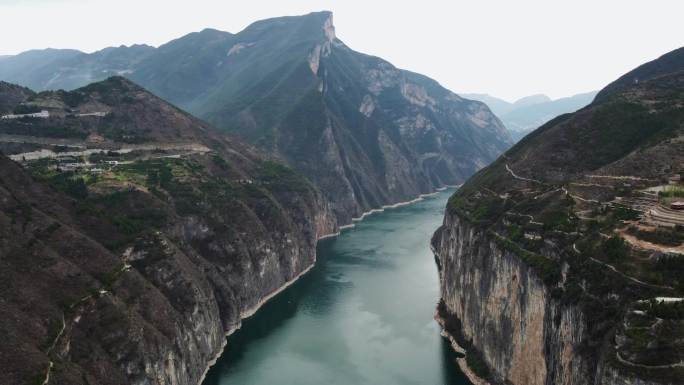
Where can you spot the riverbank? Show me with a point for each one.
(462, 364)
(399, 204)
(253, 310)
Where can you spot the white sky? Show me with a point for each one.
(507, 48)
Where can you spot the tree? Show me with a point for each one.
(77, 189)
(615, 248)
(152, 178)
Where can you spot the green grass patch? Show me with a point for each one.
(672, 192)
(614, 249)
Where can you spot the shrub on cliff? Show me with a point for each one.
(477, 364)
(614, 249)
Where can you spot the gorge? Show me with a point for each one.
(151, 232)
(272, 206)
(362, 315)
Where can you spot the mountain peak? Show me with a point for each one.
(319, 17)
(213, 32)
(328, 26)
(112, 83)
(308, 22)
(532, 99)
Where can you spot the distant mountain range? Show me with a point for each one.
(530, 112)
(365, 132)
(52, 69)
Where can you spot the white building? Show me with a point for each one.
(99, 113)
(42, 114)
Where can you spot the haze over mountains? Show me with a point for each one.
(526, 114)
(368, 134)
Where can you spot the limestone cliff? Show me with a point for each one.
(561, 263)
(505, 312)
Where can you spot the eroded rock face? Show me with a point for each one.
(508, 315)
(506, 312)
(393, 134)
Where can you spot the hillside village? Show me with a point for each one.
(621, 230)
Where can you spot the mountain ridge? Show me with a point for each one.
(290, 86)
(526, 114)
(667, 63)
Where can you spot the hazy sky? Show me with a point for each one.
(507, 48)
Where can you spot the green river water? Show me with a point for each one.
(362, 315)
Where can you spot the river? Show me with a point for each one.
(362, 315)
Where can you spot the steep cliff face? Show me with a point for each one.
(127, 263)
(505, 311)
(501, 310)
(561, 263)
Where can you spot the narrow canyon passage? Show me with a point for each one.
(363, 315)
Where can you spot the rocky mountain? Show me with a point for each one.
(526, 114)
(134, 236)
(563, 261)
(366, 133)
